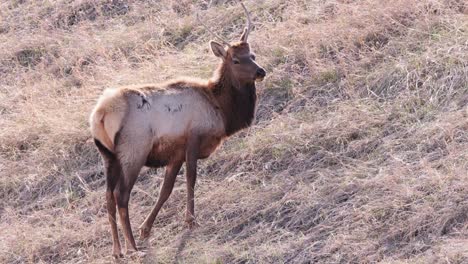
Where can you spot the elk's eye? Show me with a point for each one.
(252, 57)
(235, 61)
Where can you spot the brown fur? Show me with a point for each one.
(125, 127)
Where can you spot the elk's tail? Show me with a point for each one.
(99, 131)
(106, 120)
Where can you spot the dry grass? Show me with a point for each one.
(359, 153)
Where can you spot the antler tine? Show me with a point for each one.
(249, 22)
(209, 30)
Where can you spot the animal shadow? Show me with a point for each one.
(181, 243)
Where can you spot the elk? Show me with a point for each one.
(165, 125)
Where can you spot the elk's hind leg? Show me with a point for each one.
(132, 153)
(112, 171)
(122, 196)
(168, 184)
(111, 212)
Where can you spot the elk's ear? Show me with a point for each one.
(243, 37)
(218, 49)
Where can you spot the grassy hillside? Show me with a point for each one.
(359, 152)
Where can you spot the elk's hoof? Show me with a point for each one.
(131, 251)
(117, 255)
(117, 251)
(192, 224)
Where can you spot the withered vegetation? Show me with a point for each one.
(359, 152)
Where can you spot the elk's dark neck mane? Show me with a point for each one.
(237, 101)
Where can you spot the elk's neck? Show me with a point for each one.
(236, 101)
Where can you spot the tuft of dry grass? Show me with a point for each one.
(358, 153)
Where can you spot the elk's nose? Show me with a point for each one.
(261, 73)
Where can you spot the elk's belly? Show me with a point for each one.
(165, 150)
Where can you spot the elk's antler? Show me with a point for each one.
(249, 24)
(214, 34)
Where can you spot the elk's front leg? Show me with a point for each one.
(191, 176)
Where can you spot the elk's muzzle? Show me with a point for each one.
(260, 75)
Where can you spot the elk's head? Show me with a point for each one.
(237, 56)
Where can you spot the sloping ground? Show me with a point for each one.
(359, 152)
